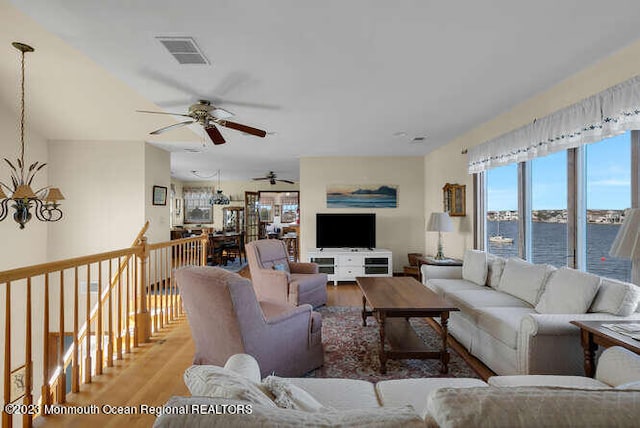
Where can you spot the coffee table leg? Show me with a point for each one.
(444, 354)
(382, 354)
(589, 347)
(364, 311)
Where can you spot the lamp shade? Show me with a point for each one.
(23, 191)
(627, 245)
(440, 222)
(2, 194)
(54, 194)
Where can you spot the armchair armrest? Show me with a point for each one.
(288, 313)
(301, 267)
(440, 272)
(272, 284)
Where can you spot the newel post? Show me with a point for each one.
(143, 318)
(204, 244)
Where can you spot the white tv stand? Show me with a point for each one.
(344, 264)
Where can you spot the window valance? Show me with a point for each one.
(198, 193)
(603, 115)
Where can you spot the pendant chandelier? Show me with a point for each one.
(44, 201)
(219, 198)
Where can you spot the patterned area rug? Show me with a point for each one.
(351, 350)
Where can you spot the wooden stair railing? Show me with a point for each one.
(141, 297)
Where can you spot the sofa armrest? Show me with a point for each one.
(302, 267)
(440, 272)
(542, 335)
(617, 366)
(245, 365)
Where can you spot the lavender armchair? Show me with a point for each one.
(296, 283)
(226, 318)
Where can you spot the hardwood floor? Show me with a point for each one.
(153, 373)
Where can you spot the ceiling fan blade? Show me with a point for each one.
(244, 128)
(162, 112)
(175, 125)
(215, 135)
(286, 181)
(260, 178)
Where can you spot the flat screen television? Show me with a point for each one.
(345, 230)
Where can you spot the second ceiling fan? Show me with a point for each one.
(272, 177)
(208, 115)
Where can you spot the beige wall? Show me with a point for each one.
(399, 229)
(27, 246)
(448, 165)
(157, 172)
(103, 185)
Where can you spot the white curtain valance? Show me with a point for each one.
(610, 112)
(197, 193)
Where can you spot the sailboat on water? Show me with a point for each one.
(499, 239)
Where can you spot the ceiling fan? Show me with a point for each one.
(208, 115)
(271, 176)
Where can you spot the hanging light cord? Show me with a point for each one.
(22, 121)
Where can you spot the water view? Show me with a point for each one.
(550, 246)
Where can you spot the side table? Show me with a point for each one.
(592, 334)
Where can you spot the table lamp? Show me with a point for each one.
(440, 222)
(626, 245)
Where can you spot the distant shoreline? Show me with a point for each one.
(560, 216)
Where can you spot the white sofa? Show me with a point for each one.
(515, 316)
(236, 396)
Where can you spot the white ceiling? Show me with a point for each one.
(331, 78)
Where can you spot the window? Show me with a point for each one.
(608, 181)
(549, 209)
(502, 210)
(603, 190)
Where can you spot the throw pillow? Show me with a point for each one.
(474, 266)
(218, 382)
(568, 291)
(281, 267)
(616, 297)
(495, 266)
(631, 385)
(289, 396)
(524, 280)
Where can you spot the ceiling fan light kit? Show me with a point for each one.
(44, 201)
(208, 116)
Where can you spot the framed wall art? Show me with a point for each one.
(159, 195)
(454, 196)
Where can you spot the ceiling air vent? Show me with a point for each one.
(184, 50)
(420, 139)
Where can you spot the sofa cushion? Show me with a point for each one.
(616, 297)
(630, 385)
(289, 396)
(400, 392)
(580, 382)
(218, 382)
(339, 393)
(495, 266)
(523, 279)
(502, 323)
(468, 301)
(533, 407)
(474, 266)
(238, 415)
(443, 287)
(568, 291)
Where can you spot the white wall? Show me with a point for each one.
(447, 164)
(157, 171)
(400, 229)
(27, 246)
(104, 206)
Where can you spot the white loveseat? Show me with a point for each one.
(515, 316)
(611, 399)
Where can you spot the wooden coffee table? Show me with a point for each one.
(393, 300)
(592, 334)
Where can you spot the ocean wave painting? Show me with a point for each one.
(362, 196)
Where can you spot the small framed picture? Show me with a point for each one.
(159, 195)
